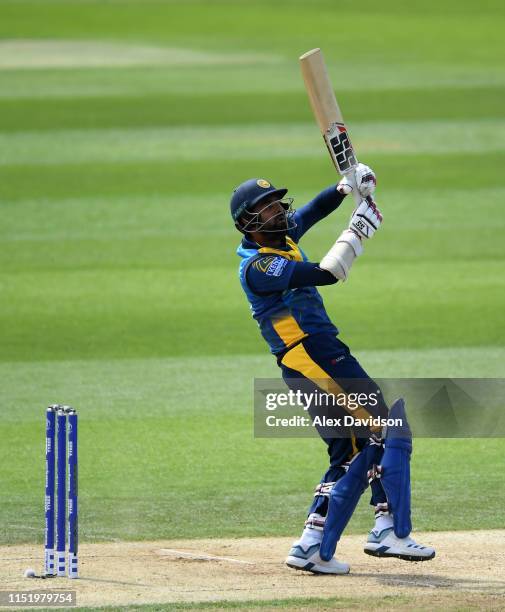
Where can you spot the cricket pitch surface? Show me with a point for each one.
(468, 571)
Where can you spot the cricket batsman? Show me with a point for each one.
(280, 284)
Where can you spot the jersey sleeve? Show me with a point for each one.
(320, 207)
(273, 273)
(307, 274)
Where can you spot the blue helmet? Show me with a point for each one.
(249, 193)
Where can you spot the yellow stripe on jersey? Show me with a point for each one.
(294, 252)
(288, 329)
(355, 450)
(286, 326)
(299, 360)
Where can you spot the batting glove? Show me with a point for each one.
(361, 178)
(366, 219)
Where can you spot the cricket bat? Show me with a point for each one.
(327, 113)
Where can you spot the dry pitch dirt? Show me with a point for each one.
(468, 572)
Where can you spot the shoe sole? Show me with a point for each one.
(382, 553)
(313, 569)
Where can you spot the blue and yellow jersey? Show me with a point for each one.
(286, 315)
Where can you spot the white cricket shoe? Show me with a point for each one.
(308, 559)
(386, 544)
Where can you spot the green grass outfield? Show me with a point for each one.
(123, 128)
(299, 603)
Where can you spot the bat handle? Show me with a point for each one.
(350, 175)
(358, 198)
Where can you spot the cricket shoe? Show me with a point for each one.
(385, 544)
(308, 559)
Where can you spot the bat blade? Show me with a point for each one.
(327, 111)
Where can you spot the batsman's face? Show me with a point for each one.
(271, 214)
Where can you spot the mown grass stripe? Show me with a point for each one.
(222, 142)
(22, 182)
(43, 54)
(159, 374)
(93, 309)
(283, 77)
(244, 108)
(95, 230)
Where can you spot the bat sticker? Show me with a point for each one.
(340, 148)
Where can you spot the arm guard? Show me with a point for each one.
(340, 257)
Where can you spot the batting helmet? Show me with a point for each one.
(250, 193)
